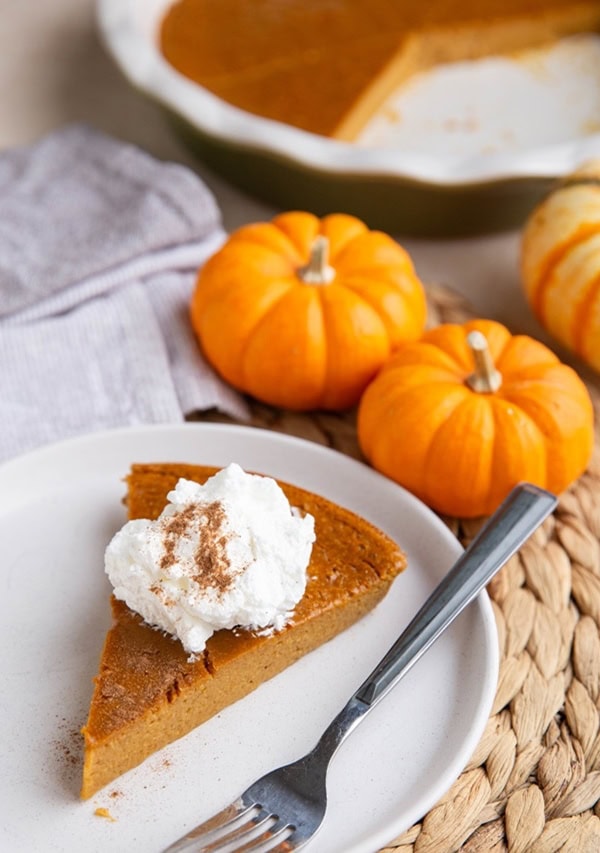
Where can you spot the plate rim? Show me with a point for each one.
(454, 768)
(142, 64)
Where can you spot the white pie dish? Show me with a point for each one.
(460, 183)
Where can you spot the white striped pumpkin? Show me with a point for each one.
(560, 262)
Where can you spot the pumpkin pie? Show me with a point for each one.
(148, 692)
(326, 66)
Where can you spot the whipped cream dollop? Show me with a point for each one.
(231, 552)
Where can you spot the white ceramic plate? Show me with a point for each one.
(58, 508)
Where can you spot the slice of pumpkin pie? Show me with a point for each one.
(154, 687)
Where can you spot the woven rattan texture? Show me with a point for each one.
(533, 783)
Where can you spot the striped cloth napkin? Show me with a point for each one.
(99, 248)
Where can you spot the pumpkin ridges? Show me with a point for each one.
(267, 236)
(423, 353)
(560, 261)
(390, 451)
(570, 212)
(402, 311)
(350, 319)
(446, 466)
(575, 274)
(563, 418)
(590, 348)
(404, 378)
(524, 356)
(495, 463)
(290, 337)
(391, 390)
(225, 325)
(448, 342)
(386, 263)
(559, 378)
(300, 228)
(497, 336)
(225, 310)
(452, 341)
(221, 272)
(555, 257)
(394, 277)
(583, 233)
(341, 229)
(553, 382)
(519, 450)
(372, 250)
(585, 320)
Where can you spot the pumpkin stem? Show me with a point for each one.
(317, 270)
(485, 379)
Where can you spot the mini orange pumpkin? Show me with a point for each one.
(462, 416)
(301, 312)
(560, 262)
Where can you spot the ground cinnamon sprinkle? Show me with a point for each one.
(68, 748)
(212, 568)
(176, 527)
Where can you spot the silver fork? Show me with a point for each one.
(283, 810)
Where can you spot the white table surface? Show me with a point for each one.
(53, 70)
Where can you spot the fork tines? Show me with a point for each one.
(239, 828)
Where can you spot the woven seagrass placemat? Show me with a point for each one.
(533, 783)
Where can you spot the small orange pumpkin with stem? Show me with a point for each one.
(301, 312)
(462, 416)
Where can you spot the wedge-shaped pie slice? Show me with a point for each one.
(147, 692)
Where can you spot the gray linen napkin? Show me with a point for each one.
(99, 248)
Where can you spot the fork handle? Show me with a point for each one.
(506, 530)
(511, 525)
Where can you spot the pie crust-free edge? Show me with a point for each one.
(148, 693)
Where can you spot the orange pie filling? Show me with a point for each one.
(327, 67)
